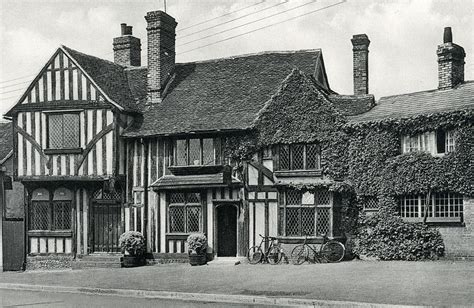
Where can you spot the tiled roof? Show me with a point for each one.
(193, 181)
(6, 139)
(411, 104)
(110, 77)
(222, 94)
(352, 104)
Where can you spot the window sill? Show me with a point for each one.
(50, 233)
(63, 151)
(303, 173)
(177, 236)
(442, 221)
(192, 170)
(300, 239)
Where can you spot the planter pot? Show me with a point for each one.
(197, 259)
(133, 261)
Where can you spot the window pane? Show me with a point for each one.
(293, 197)
(71, 130)
(55, 131)
(312, 156)
(297, 152)
(62, 215)
(281, 220)
(293, 221)
(323, 220)
(181, 153)
(193, 198)
(284, 157)
(450, 143)
(193, 218)
(322, 197)
(194, 151)
(176, 216)
(440, 141)
(208, 151)
(307, 220)
(39, 215)
(177, 198)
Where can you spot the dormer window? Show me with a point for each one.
(63, 131)
(195, 152)
(300, 156)
(439, 142)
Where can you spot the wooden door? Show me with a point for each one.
(105, 226)
(226, 231)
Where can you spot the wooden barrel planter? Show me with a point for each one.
(133, 261)
(197, 259)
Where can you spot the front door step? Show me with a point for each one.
(98, 261)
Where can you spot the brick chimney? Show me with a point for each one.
(127, 48)
(161, 53)
(450, 62)
(360, 49)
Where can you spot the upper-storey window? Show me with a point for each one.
(438, 142)
(63, 131)
(196, 152)
(300, 156)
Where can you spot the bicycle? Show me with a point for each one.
(272, 255)
(331, 251)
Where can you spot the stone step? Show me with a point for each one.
(88, 264)
(101, 258)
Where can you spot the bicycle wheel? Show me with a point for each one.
(274, 255)
(333, 251)
(254, 254)
(299, 254)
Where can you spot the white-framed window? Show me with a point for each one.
(196, 152)
(184, 212)
(443, 207)
(304, 213)
(434, 142)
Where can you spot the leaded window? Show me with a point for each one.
(63, 131)
(300, 156)
(442, 207)
(304, 213)
(49, 214)
(196, 152)
(184, 212)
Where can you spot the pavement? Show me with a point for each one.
(354, 283)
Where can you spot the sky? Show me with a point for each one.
(404, 35)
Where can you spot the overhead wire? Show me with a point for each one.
(234, 19)
(217, 17)
(248, 23)
(264, 27)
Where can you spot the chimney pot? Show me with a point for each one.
(448, 35)
(128, 30)
(123, 27)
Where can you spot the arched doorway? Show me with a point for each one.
(226, 218)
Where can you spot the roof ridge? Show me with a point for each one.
(95, 57)
(261, 53)
(428, 91)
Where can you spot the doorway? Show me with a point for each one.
(105, 225)
(226, 230)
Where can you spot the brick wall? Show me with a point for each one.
(161, 52)
(360, 49)
(127, 50)
(459, 240)
(450, 65)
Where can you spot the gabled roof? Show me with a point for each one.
(110, 77)
(406, 105)
(223, 94)
(6, 140)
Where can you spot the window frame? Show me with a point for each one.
(215, 149)
(318, 209)
(186, 205)
(414, 211)
(290, 156)
(433, 146)
(63, 150)
(52, 201)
